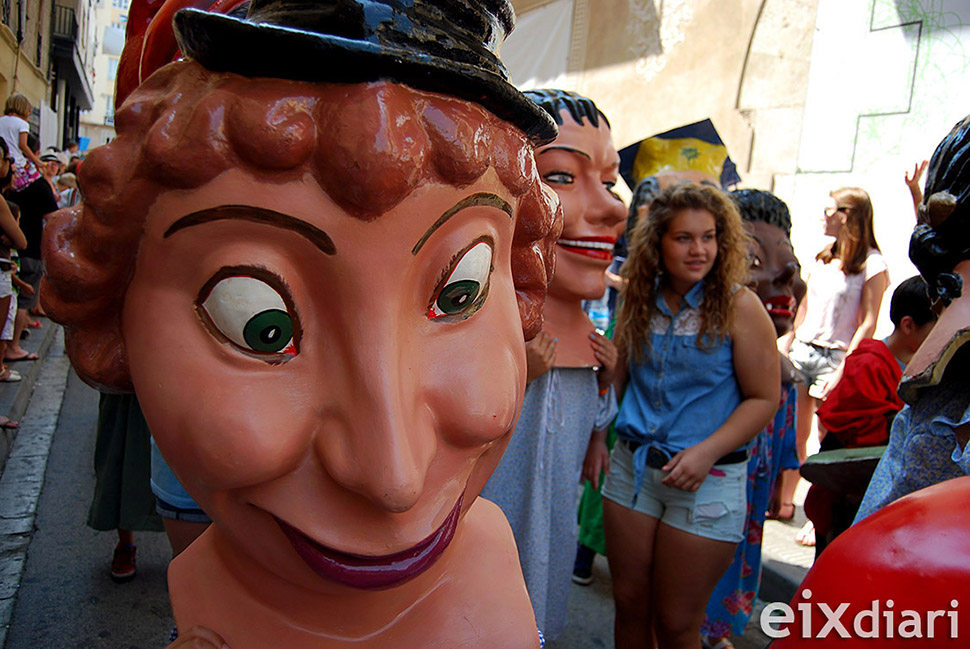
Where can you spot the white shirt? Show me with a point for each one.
(11, 127)
(834, 301)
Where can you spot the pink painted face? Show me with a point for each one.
(582, 166)
(333, 391)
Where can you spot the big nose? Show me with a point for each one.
(605, 209)
(787, 273)
(380, 440)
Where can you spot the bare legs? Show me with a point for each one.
(805, 413)
(630, 538)
(662, 579)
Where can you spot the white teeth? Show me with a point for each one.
(593, 245)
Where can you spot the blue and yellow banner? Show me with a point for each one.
(696, 147)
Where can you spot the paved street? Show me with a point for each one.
(66, 598)
(55, 588)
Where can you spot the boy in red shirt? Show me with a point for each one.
(859, 411)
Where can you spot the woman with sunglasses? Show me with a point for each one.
(845, 290)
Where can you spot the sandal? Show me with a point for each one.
(27, 356)
(9, 376)
(35, 324)
(789, 507)
(9, 424)
(806, 535)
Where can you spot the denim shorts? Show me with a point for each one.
(172, 501)
(715, 511)
(815, 363)
(172, 512)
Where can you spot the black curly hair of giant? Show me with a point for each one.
(759, 205)
(941, 239)
(555, 101)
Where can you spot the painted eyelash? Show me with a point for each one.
(449, 271)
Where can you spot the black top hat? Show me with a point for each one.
(445, 46)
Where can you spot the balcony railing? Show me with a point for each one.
(65, 24)
(5, 12)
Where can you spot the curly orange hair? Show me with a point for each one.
(185, 125)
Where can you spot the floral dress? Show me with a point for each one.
(733, 599)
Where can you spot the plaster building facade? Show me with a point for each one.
(97, 124)
(45, 53)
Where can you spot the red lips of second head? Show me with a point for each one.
(783, 305)
(600, 248)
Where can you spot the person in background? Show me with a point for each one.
(912, 183)
(699, 376)
(68, 193)
(859, 412)
(123, 499)
(15, 130)
(845, 290)
(52, 168)
(776, 277)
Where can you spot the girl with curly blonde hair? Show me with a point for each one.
(699, 369)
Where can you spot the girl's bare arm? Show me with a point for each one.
(9, 226)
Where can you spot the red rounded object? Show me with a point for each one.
(899, 578)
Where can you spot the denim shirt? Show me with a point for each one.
(680, 392)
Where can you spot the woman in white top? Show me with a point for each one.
(845, 289)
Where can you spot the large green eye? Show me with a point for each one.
(466, 283)
(269, 331)
(250, 313)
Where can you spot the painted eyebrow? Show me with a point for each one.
(781, 242)
(565, 148)
(482, 198)
(314, 235)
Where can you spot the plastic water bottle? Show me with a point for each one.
(599, 313)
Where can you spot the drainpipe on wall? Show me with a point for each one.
(21, 19)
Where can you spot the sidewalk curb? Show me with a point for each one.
(23, 476)
(779, 581)
(25, 387)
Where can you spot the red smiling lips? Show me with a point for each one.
(594, 247)
(781, 305)
(374, 572)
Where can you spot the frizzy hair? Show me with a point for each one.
(647, 277)
(856, 236)
(186, 125)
